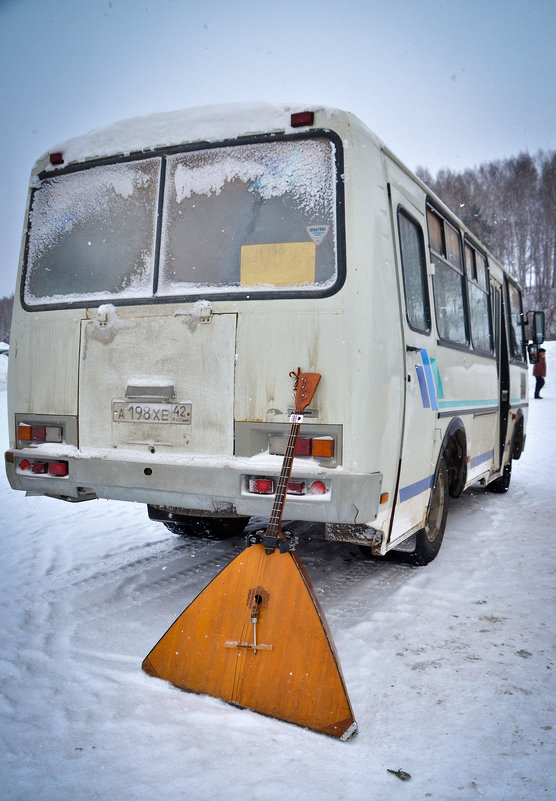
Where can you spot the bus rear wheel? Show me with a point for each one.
(429, 538)
(178, 522)
(219, 528)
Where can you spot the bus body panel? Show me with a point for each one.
(139, 372)
(43, 363)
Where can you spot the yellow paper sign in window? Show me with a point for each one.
(278, 264)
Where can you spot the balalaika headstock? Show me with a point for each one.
(305, 387)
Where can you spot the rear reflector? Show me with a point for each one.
(317, 488)
(302, 118)
(56, 158)
(39, 467)
(296, 488)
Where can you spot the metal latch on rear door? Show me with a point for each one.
(205, 314)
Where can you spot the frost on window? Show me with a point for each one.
(517, 344)
(480, 318)
(449, 305)
(92, 234)
(254, 216)
(414, 273)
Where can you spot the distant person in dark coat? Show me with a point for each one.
(539, 371)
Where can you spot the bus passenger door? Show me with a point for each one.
(502, 364)
(422, 381)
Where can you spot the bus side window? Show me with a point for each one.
(477, 292)
(448, 281)
(515, 323)
(412, 250)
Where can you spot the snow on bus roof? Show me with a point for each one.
(199, 124)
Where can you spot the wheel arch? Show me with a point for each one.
(454, 450)
(518, 436)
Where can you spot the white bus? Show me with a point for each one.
(176, 268)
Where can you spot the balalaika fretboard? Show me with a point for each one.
(273, 528)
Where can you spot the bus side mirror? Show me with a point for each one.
(537, 328)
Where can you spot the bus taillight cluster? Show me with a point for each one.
(39, 467)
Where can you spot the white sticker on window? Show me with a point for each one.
(317, 232)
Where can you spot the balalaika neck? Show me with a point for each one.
(273, 528)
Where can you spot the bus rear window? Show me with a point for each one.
(92, 234)
(250, 216)
(240, 219)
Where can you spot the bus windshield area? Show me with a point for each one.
(242, 219)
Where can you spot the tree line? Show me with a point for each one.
(510, 205)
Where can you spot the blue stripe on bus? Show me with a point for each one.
(430, 379)
(483, 457)
(477, 403)
(423, 386)
(437, 379)
(415, 489)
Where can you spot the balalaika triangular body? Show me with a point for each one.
(256, 636)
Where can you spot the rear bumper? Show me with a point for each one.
(207, 484)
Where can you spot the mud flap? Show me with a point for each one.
(257, 638)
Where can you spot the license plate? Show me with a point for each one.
(126, 412)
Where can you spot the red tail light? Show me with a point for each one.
(58, 468)
(320, 447)
(300, 118)
(38, 433)
(261, 486)
(266, 486)
(45, 468)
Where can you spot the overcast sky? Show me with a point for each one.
(443, 82)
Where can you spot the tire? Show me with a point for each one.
(219, 528)
(429, 539)
(502, 484)
(518, 440)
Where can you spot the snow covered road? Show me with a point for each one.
(449, 668)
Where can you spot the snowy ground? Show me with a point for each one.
(450, 668)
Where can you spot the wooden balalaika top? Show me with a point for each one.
(304, 387)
